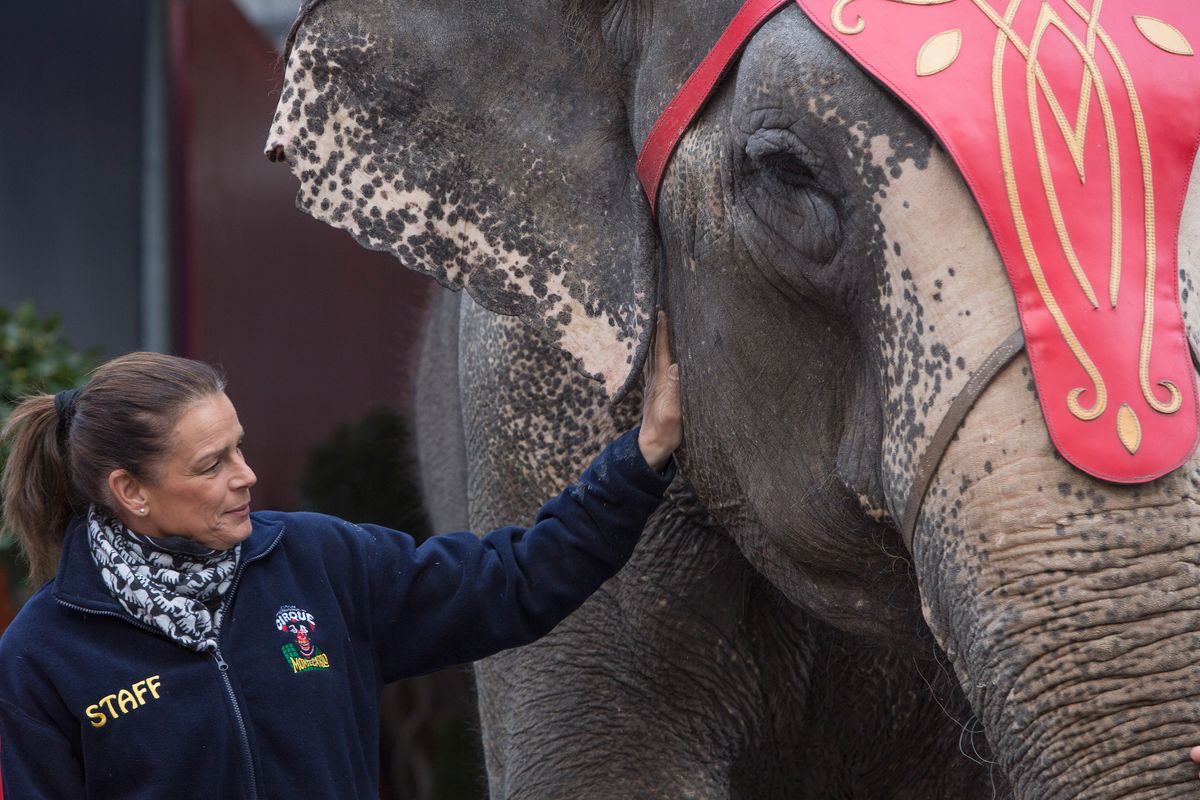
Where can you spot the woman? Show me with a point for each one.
(186, 647)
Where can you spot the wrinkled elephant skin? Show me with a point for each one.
(831, 286)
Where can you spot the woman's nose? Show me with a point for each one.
(245, 477)
(248, 476)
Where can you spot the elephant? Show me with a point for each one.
(831, 286)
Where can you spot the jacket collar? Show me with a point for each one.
(78, 582)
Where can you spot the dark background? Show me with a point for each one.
(136, 202)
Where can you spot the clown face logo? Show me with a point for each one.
(302, 654)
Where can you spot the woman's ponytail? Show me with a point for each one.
(38, 499)
(65, 446)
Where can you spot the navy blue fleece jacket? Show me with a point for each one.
(321, 614)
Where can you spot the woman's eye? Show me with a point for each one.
(213, 467)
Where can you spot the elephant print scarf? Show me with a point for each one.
(169, 590)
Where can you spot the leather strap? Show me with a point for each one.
(686, 104)
(979, 380)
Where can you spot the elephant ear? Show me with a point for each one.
(479, 144)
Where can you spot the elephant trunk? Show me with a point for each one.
(1071, 613)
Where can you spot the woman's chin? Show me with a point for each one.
(228, 536)
(241, 533)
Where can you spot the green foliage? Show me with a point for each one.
(34, 357)
(365, 473)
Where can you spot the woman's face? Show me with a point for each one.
(203, 487)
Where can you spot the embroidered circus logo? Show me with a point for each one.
(303, 654)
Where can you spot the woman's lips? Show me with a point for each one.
(242, 510)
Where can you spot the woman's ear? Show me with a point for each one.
(128, 493)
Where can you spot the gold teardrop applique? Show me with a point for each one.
(1129, 430)
(939, 52)
(1163, 35)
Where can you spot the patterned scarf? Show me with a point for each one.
(168, 586)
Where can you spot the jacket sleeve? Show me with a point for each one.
(458, 597)
(36, 760)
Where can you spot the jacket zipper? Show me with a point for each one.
(241, 723)
(222, 664)
(119, 616)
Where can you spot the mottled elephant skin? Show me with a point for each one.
(831, 285)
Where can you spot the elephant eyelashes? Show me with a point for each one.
(784, 187)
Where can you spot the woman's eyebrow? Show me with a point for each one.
(208, 455)
(219, 451)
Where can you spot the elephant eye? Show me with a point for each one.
(782, 154)
(788, 191)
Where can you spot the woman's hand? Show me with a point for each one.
(662, 411)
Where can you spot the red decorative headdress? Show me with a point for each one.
(1075, 123)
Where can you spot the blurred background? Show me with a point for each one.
(137, 211)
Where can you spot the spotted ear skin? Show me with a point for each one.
(485, 153)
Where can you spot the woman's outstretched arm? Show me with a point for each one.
(459, 597)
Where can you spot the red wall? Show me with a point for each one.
(311, 329)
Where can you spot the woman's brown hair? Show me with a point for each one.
(59, 463)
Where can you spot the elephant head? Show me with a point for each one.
(831, 286)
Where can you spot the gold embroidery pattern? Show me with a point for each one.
(940, 51)
(1143, 139)
(1035, 268)
(1074, 139)
(839, 24)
